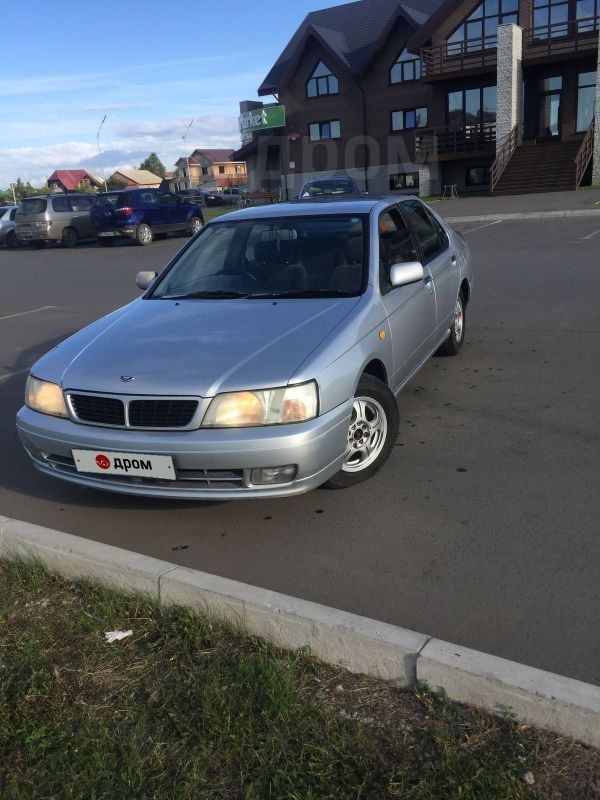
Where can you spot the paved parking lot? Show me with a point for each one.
(483, 529)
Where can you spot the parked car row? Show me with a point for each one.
(141, 215)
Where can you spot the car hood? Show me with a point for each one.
(194, 347)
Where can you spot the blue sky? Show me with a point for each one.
(150, 67)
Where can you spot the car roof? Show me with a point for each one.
(316, 206)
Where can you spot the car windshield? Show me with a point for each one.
(326, 187)
(34, 205)
(320, 256)
(114, 200)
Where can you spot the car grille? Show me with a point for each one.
(161, 413)
(111, 411)
(102, 410)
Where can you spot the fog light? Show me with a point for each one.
(265, 476)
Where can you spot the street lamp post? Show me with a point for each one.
(99, 154)
(187, 158)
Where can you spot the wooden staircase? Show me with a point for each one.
(540, 167)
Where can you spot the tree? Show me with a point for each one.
(154, 164)
(115, 183)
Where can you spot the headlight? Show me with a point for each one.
(45, 397)
(265, 407)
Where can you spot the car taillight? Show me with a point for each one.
(125, 210)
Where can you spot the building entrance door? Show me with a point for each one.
(549, 108)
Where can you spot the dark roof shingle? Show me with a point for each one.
(352, 31)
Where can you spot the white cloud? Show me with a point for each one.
(118, 106)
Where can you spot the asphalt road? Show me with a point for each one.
(483, 529)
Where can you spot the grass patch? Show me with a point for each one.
(212, 212)
(188, 709)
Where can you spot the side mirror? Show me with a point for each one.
(145, 279)
(405, 274)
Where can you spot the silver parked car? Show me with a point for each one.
(265, 360)
(7, 226)
(61, 218)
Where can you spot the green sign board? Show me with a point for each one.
(260, 119)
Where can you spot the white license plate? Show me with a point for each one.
(107, 233)
(104, 462)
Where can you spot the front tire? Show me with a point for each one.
(144, 235)
(371, 435)
(457, 332)
(194, 226)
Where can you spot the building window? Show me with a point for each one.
(586, 99)
(205, 170)
(221, 170)
(322, 82)
(325, 130)
(238, 169)
(472, 110)
(478, 31)
(587, 14)
(550, 18)
(409, 118)
(404, 180)
(405, 68)
(478, 176)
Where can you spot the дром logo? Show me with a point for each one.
(103, 462)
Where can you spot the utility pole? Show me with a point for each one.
(12, 186)
(99, 154)
(187, 158)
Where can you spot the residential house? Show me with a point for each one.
(69, 180)
(212, 168)
(137, 178)
(422, 94)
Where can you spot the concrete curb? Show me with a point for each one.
(524, 215)
(358, 644)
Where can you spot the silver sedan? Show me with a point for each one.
(265, 359)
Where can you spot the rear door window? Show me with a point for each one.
(13, 214)
(34, 205)
(60, 204)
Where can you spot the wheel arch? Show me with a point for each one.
(376, 369)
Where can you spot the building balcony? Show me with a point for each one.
(561, 40)
(445, 144)
(450, 59)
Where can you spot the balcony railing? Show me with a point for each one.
(453, 57)
(561, 38)
(431, 143)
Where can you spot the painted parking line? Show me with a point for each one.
(13, 374)
(481, 227)
(25, 313)
(589, 236)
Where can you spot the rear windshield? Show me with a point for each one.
(327, 187)
(34, 205)
(115, 200)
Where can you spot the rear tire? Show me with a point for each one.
(144, 235)
(457, 332)
(371, 435)
(69, 237)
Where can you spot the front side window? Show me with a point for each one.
(322, 82)
(409, 118)
(325, 130)
(396, 245)
(316, 256)
(430, 234)
(586, 100)
(166, 199)
(478, 31)
(405, 68)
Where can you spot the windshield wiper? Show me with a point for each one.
(293, 293)
(215, 294)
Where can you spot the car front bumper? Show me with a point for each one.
(209, 464)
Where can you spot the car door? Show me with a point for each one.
(440, 259)
(80, 216)
(410, 309)
(170, 211)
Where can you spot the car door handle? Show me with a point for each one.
(429, 284)
(453, 258)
